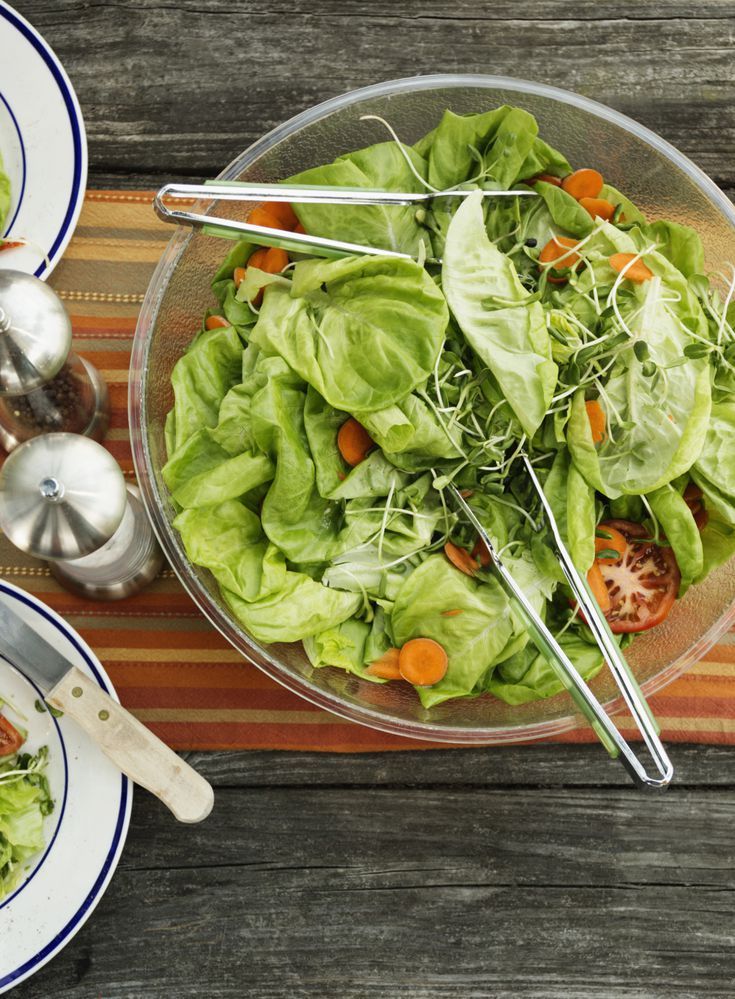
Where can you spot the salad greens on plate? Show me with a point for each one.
(25, 801)
(325, 405)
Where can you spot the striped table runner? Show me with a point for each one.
(170, 667)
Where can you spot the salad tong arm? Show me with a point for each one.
(595, 619)
(568, 674)
(295, 194)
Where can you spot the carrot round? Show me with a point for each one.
(598, 423)
(423, 662)
(275, 260)
(354, 441)
(215, 323)
(560, 247)
(461, 559)
(636, 272)
(386, 667)
(613, 541)
(583, 183)
(262, 215)
(257, 258)
(283, 211)
(598, 207)
(238, 276)
(598, 587)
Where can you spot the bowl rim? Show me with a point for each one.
(153, 501)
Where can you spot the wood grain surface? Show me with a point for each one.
(523, 872)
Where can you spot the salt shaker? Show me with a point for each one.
(64, 499)
(44, 386)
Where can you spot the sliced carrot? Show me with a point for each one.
(260, 215)
(354, 441)
(599, 589)
(466, 493)
(636, 272)
(598, 207)
(299, 228)
(238, 276)
(215, 323)
(283, 211)
(387, 666)
(481, 553)
(613, 541)
(257, 258)
(598, 423)
(423, 662)
(560, 248)
(461, 559)
(11, 244)
(275, 260)
(583, 183)
(452, 613)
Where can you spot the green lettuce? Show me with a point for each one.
(363, 331)
(506, 330)
(25, 801)
(472, 640)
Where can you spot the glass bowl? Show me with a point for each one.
(659, 179)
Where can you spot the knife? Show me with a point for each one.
(122, 738)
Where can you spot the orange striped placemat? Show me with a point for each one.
(170, 667)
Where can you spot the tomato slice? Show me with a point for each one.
(642, 584)
(10, 738)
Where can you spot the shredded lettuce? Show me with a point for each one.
(25, 801)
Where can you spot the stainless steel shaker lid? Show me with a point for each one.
(62, 496)
(35, 333)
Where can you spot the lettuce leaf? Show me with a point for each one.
(472, 640)
(492, 308)
(382, 167)
(363, 331)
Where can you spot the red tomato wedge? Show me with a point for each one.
(10, 738)
(643, 584)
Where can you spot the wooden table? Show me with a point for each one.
(500, 873)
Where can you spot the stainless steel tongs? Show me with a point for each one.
(545, 641)
(235, 190)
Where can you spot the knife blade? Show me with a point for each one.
(133, 748)
(28, 652)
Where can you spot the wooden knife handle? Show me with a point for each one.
(132, 747)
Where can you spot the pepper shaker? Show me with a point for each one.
(63, 498)
(44, 386)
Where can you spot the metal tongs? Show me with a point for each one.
(545, 641)
(235, 190)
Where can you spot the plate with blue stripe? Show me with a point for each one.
(43, 150)
(83, 835)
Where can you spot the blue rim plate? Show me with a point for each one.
(86, 832)
(45, 155)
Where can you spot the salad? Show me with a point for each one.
(25, 801)
(325, 405)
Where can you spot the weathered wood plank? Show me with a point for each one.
(549, 766)
(327, 893)
(180, 89)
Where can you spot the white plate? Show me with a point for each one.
(86, 831)
(43, 146)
